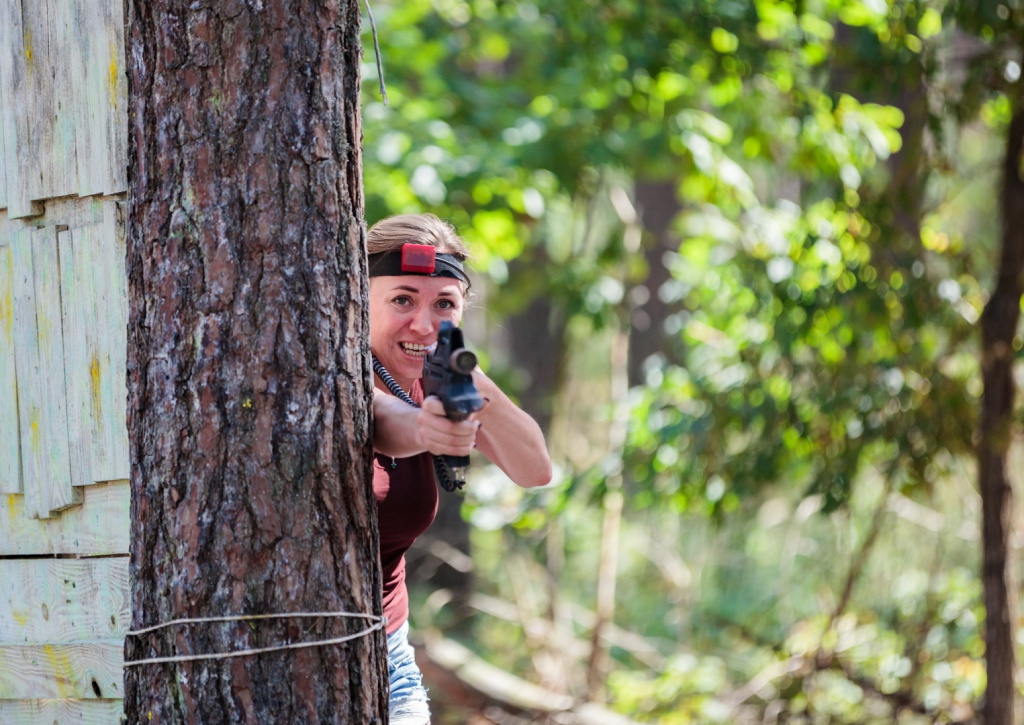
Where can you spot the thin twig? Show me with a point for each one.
(376, 50)
(862, 555)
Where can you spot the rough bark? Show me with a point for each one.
(249, 389)
(999, 324)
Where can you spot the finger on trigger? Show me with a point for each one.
(433, 405)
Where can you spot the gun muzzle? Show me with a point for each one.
(463, 361)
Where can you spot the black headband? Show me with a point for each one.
(397, 263)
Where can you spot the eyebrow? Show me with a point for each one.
(415, 290)
(443, 294)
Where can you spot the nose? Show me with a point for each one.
(422, 323)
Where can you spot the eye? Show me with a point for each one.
(402, 300)
(446, 305)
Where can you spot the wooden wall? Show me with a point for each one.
(63, 315)
(63, 125)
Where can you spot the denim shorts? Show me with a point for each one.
(408, 700)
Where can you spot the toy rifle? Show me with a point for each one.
(448, 374)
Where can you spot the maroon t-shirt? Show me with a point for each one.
(406, 505)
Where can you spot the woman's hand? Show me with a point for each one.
(501, 431)
(442, 436)
(401, 430)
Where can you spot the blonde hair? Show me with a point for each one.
(388, 235)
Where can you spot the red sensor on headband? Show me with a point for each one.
(418, 258)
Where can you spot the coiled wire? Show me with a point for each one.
(444, 473)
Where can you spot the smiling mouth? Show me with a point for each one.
(415, 349)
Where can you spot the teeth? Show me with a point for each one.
(415, 348)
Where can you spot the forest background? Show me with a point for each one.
(734, 256)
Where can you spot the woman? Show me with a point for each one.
(410, 297)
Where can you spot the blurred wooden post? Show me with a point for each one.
(597, 667)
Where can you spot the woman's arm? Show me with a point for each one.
(401, 430)
(510, 438)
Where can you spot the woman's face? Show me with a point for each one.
(406, 313)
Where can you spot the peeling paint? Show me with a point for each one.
(113, 76)
(7, 297)
(43, 325)
(60, 670)
(95, 384)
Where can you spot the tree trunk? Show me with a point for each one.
(537, 342)
(657, 204)
(249, 388)
(998, 328)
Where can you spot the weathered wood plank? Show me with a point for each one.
(63, 179)
(10, 454)
(64, 712)
(98, 358)
(113, 318)
(117, 93)
(77, 291)
(68, 211)
(3, 152)
(39, 359)
(97, 355)
(98, 527)
(63, 600)
(16, 74)
(91, 99)
(8, 8)
(89, 670)
(37, 117)
(94, 298)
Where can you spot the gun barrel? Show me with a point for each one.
(447, 373)
(463, 360)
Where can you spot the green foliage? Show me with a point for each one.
(834, 166)
(767, 291)
(750, 600)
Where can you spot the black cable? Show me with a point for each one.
(376, 50)
(445, 476)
